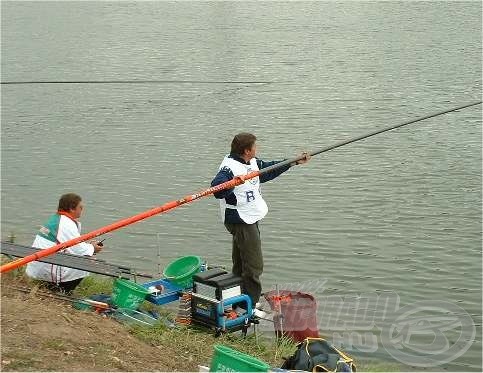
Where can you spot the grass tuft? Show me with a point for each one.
(91, 285)
(54, 344)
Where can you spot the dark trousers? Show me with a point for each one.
(247, 257)
(66, 287)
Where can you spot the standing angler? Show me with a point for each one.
(243, 207)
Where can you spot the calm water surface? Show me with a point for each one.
(397, 214)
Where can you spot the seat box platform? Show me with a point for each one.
(219, 287)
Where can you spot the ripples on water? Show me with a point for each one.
(400, 212)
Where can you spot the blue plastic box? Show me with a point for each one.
(170, 294)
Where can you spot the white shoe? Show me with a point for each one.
(259, 313)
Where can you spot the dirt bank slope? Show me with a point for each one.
(42, 333)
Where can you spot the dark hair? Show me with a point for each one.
(69, 202)
(241, 142)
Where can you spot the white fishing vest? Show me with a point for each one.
(62, 229)
(250, 205)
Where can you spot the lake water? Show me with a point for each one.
(397, 215)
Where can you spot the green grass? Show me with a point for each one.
(194, 341)
(91, 285)
(54, 344)
(22, 362)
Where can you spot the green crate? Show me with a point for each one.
(226, 359)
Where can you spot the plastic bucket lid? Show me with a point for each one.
(181, 270)
(128, 294)
(134, 317)
(226, 359)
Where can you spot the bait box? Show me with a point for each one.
(170, 293)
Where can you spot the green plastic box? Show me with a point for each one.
(226, 359)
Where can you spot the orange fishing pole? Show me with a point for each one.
(226, 185)
(123, 222)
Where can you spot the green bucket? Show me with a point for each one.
(226, 359)
(128, 294)
(181, 271)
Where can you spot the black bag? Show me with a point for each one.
(318, 355)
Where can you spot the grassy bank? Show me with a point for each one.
(40, 332)
(193, 341)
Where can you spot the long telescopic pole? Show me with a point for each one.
(190, 198)
(362, 137)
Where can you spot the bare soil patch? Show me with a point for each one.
(39, 333)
